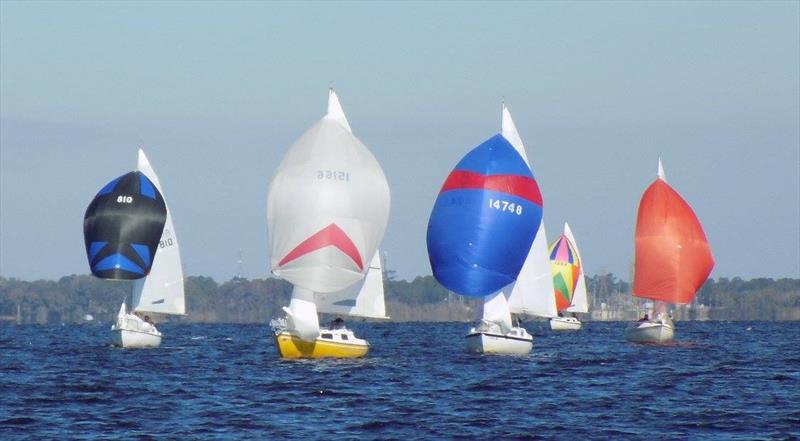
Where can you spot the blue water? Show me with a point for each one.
(718, 380)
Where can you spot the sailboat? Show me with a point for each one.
(327, 210)
(673, 258)
(129, 235)
(569, 281)
(482, 232)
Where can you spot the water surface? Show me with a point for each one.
(718, 380)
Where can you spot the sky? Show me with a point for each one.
(215, 93)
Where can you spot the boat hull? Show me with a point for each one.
(650, 332)
(292, 346)
(513, 343)
(565, 324)
(129, 339)
(131, 332)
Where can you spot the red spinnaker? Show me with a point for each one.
(673, 258)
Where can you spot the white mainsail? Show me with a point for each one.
(580, 299)
(532, 293)
(363, 299)
(162, 290)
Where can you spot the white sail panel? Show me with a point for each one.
(336, 112)
(162, 290)
(496, 310)
(509, 131)
(301, 314)
(327, 208)
(532, 294)
(580, 299)
(363, 299)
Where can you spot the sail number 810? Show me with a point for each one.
(510, 207)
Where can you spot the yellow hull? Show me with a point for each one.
(289, 346)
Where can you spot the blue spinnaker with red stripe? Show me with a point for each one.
(484, 220)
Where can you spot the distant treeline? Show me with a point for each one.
(72, 298)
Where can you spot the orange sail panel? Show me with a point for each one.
(673, 258)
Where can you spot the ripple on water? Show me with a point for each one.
(226, 382)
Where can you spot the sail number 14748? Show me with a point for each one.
(501, 205)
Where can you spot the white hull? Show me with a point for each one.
(650, 332)
(490, 339)
(565, 324)
(132, 332)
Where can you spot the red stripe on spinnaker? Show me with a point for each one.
(330, 235)
(520, 186)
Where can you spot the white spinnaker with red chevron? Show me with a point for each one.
(327, 208)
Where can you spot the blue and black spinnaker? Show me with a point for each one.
(122, 227)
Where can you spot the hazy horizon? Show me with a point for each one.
(215, 93)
